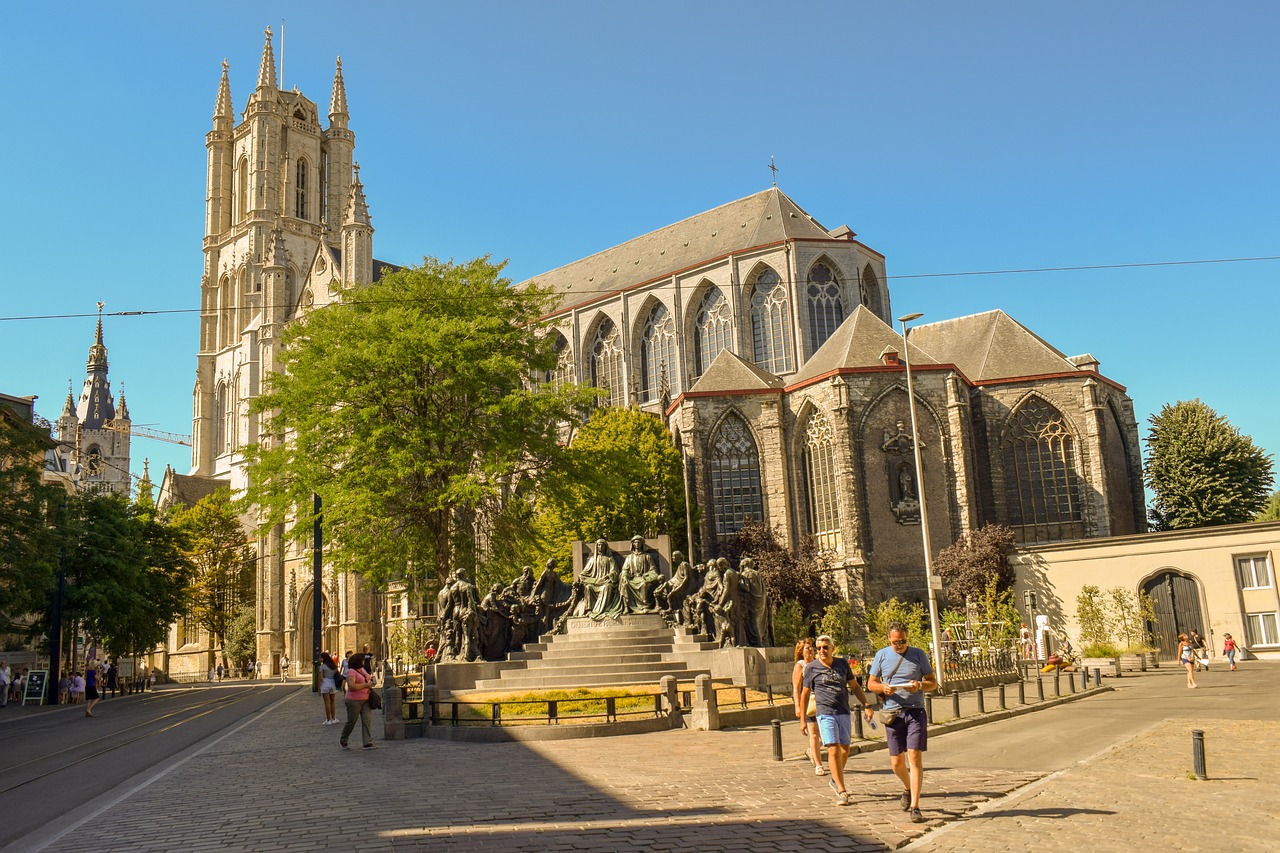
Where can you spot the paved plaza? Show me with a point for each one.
(279, 782)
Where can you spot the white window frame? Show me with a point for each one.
(1247, 571)
(1267, 632)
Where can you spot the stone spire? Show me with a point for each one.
(69, 407)
(222, 107)
(357, 207)
(96, 405)
(98, 352)
(338, 101)
(267, 70)
(122, 408)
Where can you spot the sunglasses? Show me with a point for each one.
(897, 642)
(823, 646)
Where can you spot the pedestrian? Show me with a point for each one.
(1186, 657)
(19, 686)
(1229, 649)
(113, 679)
(1199, 651)
(90, 689)
(346, 661)
(77, 688)
(368, 659)
(212, 672)
(328, 688)
(828, 678)
(284, 667)
(257, 669)
(6, 678)
(358, 682)
(220, 671)
(804, 654)
(901, 673)
(1024, 639)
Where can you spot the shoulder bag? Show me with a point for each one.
(886, 716)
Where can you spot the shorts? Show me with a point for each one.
(909, 731)
(836, 729)
(328, 688)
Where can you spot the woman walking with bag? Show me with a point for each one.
(804, 654)
(358, 683)
(1187, 657)
(329, 688)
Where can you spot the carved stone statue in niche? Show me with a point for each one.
(904, 485)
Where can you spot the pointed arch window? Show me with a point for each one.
(242, 191)
(219, 436)
(736, 497)
(606, 363)
(1043, 487)
(820, 482)
(711, 329)
(771, 322)
(300, 189)
(562, 373)
(826, 310)
(658, 368)
(869, 291)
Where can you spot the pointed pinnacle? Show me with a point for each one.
(267, 70)
(357, 207)
(222, 108)
(338, 102)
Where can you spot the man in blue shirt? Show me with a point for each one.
(901, 673)
(828, 678)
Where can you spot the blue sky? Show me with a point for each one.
(951, 137)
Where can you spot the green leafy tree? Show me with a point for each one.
(623, 477)
(28, 554)
(1270, 512)
(837, 624)
(240, 645)
(976, 559)
(408, 407)
(790, 624)
(1201, 470)
(126, 573)
(1097, 624)
(913, 616)
(803, 576)
(217, 546)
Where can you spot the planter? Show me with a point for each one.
(1134, 662)
(1108, 666)
(1153, 660)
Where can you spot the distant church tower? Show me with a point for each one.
(286, 228)
(100, 454)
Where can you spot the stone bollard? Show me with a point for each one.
(672, 699)
(1001, 697)
(705, 714)
(392, 706)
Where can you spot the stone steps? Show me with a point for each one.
(548, 681)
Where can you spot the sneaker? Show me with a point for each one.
(842, 798)
(370, 746)
(343, 744)
(819, 770)
(916, 817)
(832, 783)
(906, 801)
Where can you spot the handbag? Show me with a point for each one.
(886, 716)
(812, 710)
(375, 701)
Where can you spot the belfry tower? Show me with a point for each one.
(100, 453)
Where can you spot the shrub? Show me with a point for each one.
(789, 624)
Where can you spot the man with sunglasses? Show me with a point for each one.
(901, 673)
(829, 678)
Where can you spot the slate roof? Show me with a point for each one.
(859, 342)
(762, 219)
(188, 489)
(990, 346)
(730, 372)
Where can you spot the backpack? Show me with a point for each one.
(338, 679)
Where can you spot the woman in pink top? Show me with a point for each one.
(358, 683)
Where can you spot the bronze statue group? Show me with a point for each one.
(730, 606)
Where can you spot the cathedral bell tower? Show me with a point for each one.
(96, 428)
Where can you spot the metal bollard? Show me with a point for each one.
(777, 740)
(1097, 677)
(1039, 687)
(1084, 679)
(1002, 705)
(982, 705)
(955, 704)
(928, 708)
(857, 721)
(1197, 753)
(1057, 687)
(1022, 693)
(1071, 681)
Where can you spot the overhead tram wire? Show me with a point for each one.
(1020, 271)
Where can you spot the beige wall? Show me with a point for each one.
(1208, 555)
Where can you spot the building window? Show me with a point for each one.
(712, 326)
(1253, 572)
(826, 310)
(219, 424)
(242, 196)
(820, 476)
(735, 477)
(563, 373)
(606, 364)
(1040, 467)
(1261, 628)
(658, 355)
(397, 610)
(300, 190)
(189, 634)
(771, 323)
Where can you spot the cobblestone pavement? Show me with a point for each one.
(1141, 795)
(280, 782)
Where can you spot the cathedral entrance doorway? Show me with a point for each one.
(1175, 598)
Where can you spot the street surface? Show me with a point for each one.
(1105, 772)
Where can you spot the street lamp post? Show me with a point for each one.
(920, 490)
